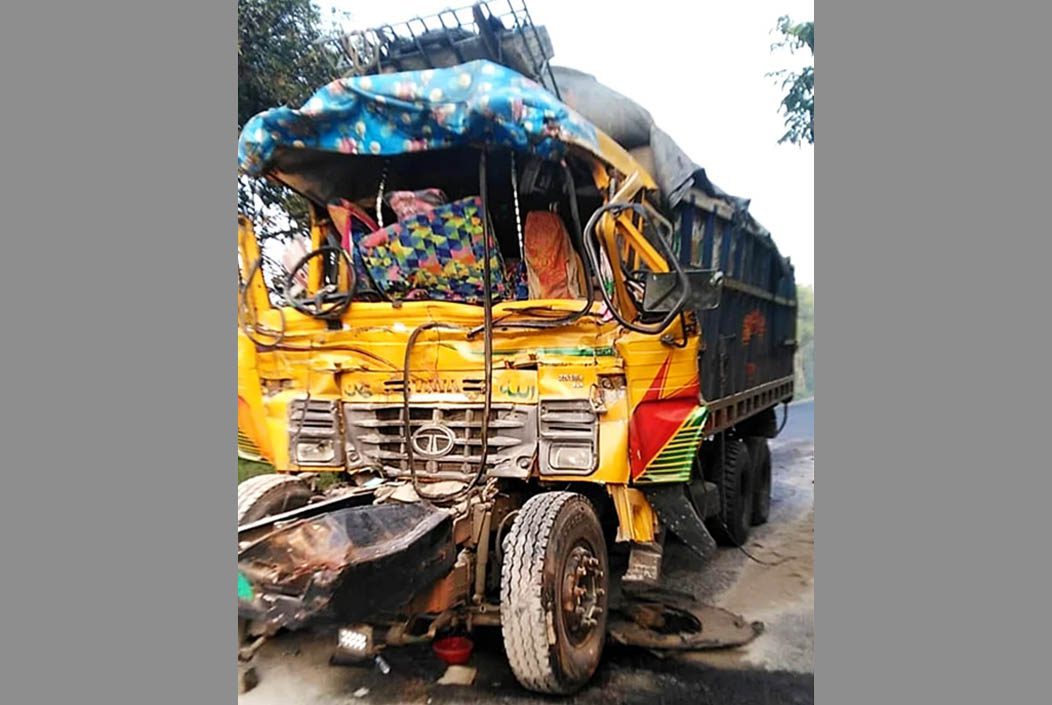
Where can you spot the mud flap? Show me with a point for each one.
(677, 512)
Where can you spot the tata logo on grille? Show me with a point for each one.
(433, 441)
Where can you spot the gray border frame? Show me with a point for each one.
(934, 147)
(119, 359)
(119, 581)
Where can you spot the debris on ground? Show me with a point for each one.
(247, 679)
(662, 621)
(361, 692)
(458, 675)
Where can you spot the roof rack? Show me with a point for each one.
(501, 31)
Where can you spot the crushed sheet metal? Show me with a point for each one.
(665, 622)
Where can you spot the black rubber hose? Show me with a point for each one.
(487, 313)
(257, 268)
(670, 258)
(589, 285)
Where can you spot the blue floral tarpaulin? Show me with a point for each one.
(479, 102)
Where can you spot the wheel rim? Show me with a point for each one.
(581, 593)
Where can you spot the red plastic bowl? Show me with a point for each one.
(454, 650)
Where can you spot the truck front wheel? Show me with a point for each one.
(553, 593)
(272, 493)
(262, 496)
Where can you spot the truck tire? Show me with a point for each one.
(553, 591)
(760, 454)
(259, 497)
(733, 474)
(272, 493)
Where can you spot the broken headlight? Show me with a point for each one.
(314, 432)
(568, 435)
(571, 457)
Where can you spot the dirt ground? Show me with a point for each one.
(775, 586)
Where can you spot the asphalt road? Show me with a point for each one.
(774, 584)
(801, 423)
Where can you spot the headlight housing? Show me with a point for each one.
(568, 436)
(571, 457)
(314, 433)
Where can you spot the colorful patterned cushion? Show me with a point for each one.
(436, 256)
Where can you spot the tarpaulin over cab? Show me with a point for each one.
(389, 114)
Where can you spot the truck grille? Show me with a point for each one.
(376, 437)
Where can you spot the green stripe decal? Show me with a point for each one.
(674, 462)
(568, 352)
(244, 589)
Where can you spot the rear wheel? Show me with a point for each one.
(760, 454)
(553, 593)
(265, 495)
(733, 474)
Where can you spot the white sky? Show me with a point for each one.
(700, 69)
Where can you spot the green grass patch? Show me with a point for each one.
(250, 468)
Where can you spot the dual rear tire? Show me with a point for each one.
(741, 470)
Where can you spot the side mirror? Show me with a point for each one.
(661, 293)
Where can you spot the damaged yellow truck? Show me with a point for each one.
(527, 344)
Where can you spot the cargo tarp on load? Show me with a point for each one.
(632, 126)
(479, 102)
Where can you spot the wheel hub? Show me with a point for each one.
(582, 593)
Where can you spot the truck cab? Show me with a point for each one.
(509, 348)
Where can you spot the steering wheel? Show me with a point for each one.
(328, 302)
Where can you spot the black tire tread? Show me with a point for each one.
(760, 453)
(729, 484)
(523, 618)
(264, 488)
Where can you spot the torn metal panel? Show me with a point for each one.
(345, 565)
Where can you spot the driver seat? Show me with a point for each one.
(553, 269)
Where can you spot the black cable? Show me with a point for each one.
(487, 312)
(589, 285)
(407, 429)
(257, 267)
(785, 417)
(723, 525)
(589, 230)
